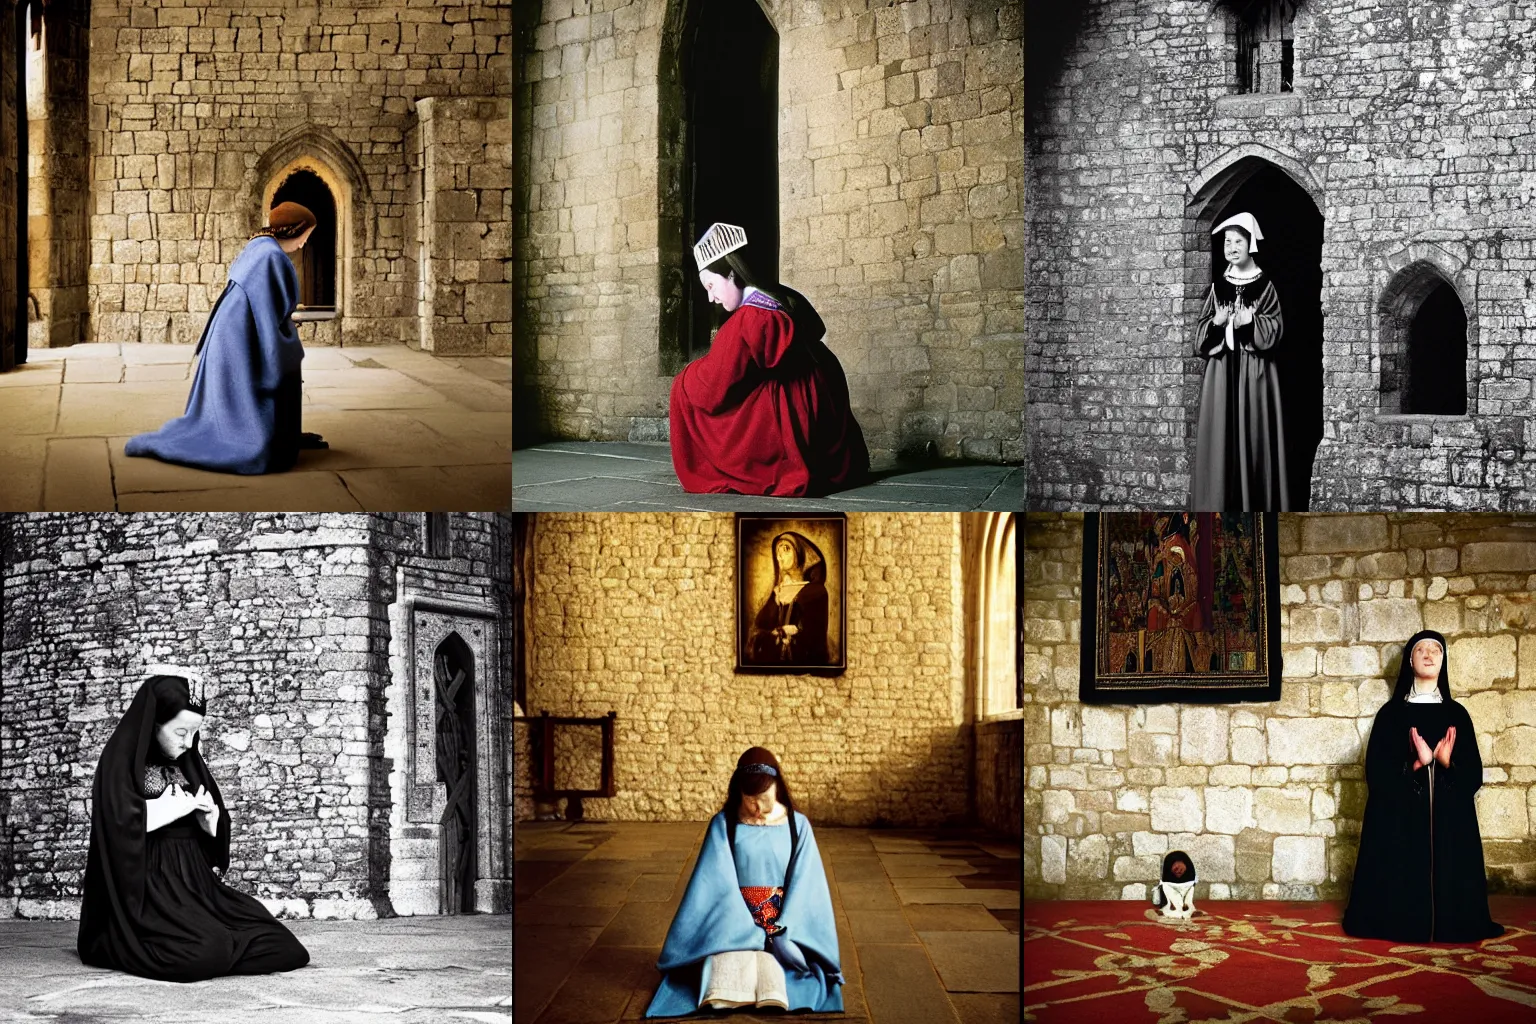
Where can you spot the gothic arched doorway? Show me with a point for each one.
(1291, 253)
(316, 262)
(719, 82)
(453, 683)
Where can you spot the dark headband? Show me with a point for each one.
(759, 769)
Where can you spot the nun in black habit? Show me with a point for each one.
(1419, 876)
(155, 903)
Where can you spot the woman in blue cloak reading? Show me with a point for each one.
(243, 414)
(755, 925)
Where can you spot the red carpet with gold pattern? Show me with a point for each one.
(1265, 960)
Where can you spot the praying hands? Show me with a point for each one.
(1441, 753)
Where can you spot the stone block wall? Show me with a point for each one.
(465, 215)
(11, 85)
(286, 615)
(1268, 797)
(1000, 774)
(196, 104)
(1134, 127)
(900, 214)
(634, 613)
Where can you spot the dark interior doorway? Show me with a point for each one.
(454, 684)
(1291, 252)
(316, 262)
(730, 68)
(1437, 355)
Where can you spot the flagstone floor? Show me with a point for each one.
(928, 921)
(626, 476)
(404, 970)
(409, 431)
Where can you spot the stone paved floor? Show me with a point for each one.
(408, 970)
(409, 432)
(638, 477)
(928, 921)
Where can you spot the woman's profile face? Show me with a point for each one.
(723, 290)
(1234, 245)
(175, 736)
(295, 244)
(784, 554)
(1427, 657)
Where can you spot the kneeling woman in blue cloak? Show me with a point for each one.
(755, 926)
(243, 413)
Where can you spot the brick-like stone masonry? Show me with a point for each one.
(190, 99)
(1411, 128)
(1268, 798)
(286, 615)
(634, 613)
(900, 202)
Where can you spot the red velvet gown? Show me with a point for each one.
(766, 410)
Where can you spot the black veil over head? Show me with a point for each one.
(115, 863)
(1405, 669)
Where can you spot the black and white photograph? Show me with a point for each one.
(256, 767)
(1279, 256)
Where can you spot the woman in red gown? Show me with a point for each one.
(766, 410)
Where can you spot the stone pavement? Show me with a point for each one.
(638, 477)
(928, 921)
(405, 970)
(409, 432)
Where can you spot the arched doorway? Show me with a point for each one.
(1291, 253)
(723, 82)
(453, 683)
(316, 262)
(1424, 341)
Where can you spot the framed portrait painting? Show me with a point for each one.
(791, 593)
(1180, 607)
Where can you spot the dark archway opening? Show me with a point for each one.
(316, 262)
(1291, 253)
(1437, 355)
(454, 685)
(730, 78)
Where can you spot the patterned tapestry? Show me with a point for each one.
(1180, 606)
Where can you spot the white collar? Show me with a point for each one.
(1432, 697)
(747, 292)
(1231, 274)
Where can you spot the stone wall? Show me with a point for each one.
(634, 613)
(287, 617)
(1000, 775)
(1268, 798)
(196, 106)
(900, 214)
(1138, 136)
(464, 151)
(11, 84)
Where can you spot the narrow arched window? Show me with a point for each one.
(1424, 343)
(1437, 355)
(316, 262)
(1265, 45)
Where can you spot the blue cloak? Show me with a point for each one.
(243, 413)
(713, 918)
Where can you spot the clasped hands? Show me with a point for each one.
(200, 803)
(1441, 753)
(1240, 314)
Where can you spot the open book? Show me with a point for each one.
(743, 978)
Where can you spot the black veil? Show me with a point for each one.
(1405, 670)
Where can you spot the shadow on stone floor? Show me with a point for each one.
(636, 476)
(927, 921)
(413, 970)
(409, 431)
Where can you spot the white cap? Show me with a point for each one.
(1247, 223)
(196, 684)
(717, 241)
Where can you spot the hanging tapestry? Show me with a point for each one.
(1180, 607)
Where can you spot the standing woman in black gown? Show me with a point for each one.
(1419, 876)
(1240, 461)
(155, 903)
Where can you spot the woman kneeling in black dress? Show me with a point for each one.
(155, 904)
